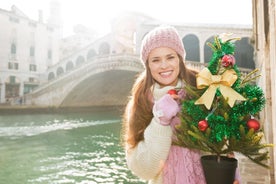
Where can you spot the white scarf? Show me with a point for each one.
(159, 91)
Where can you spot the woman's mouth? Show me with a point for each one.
(166, 73)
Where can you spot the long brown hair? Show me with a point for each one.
(138, 112)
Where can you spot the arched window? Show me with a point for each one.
(104, 48)
(91, 53)
(60, 71)
(69, 66)
(51, 76)
(207, 50)
(80, 60)
(191, 43)
(244, 53)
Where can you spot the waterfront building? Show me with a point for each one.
(28, 48)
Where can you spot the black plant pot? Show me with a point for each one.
(219, 172)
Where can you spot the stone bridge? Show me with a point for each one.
(101, 81)
(103, 73)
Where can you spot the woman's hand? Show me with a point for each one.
(177, 95)
(165, 109)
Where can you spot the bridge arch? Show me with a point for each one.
(104, 48)
(69, 66)
(80, 60)
(105, 82)
(101, 89)
(60, 71)
(98, 85)
(90, 54)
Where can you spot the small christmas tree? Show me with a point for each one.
(220, 115)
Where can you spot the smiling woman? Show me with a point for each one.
(163, 65)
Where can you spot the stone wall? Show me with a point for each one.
(264, 26)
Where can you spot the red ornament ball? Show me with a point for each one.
(252, 123)
(203, 125)
(228, 60)
(172, 92)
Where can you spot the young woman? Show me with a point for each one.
(151, 114)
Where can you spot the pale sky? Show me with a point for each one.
(97, 14)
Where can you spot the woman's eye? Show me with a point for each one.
(154, 61)
(171, 57)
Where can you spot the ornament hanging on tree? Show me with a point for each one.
(228, 60)
(172, 92)
(253, 123)
(203, 125)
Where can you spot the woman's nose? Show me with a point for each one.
(164, 63)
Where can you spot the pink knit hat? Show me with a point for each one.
(162, 36)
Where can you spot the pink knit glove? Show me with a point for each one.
(165, 109)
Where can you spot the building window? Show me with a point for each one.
(31, 79)
(13, 66)
(13, 48)
(50, 29)
(32, 51)
(14, 19)
(16, 66)
(49, 54)
(10, 65)
(32, 24)
(32, 67)
(12, 79)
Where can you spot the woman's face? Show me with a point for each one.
(164, 66)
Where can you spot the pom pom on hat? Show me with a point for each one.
(162, 36)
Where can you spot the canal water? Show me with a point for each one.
(65, 147)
